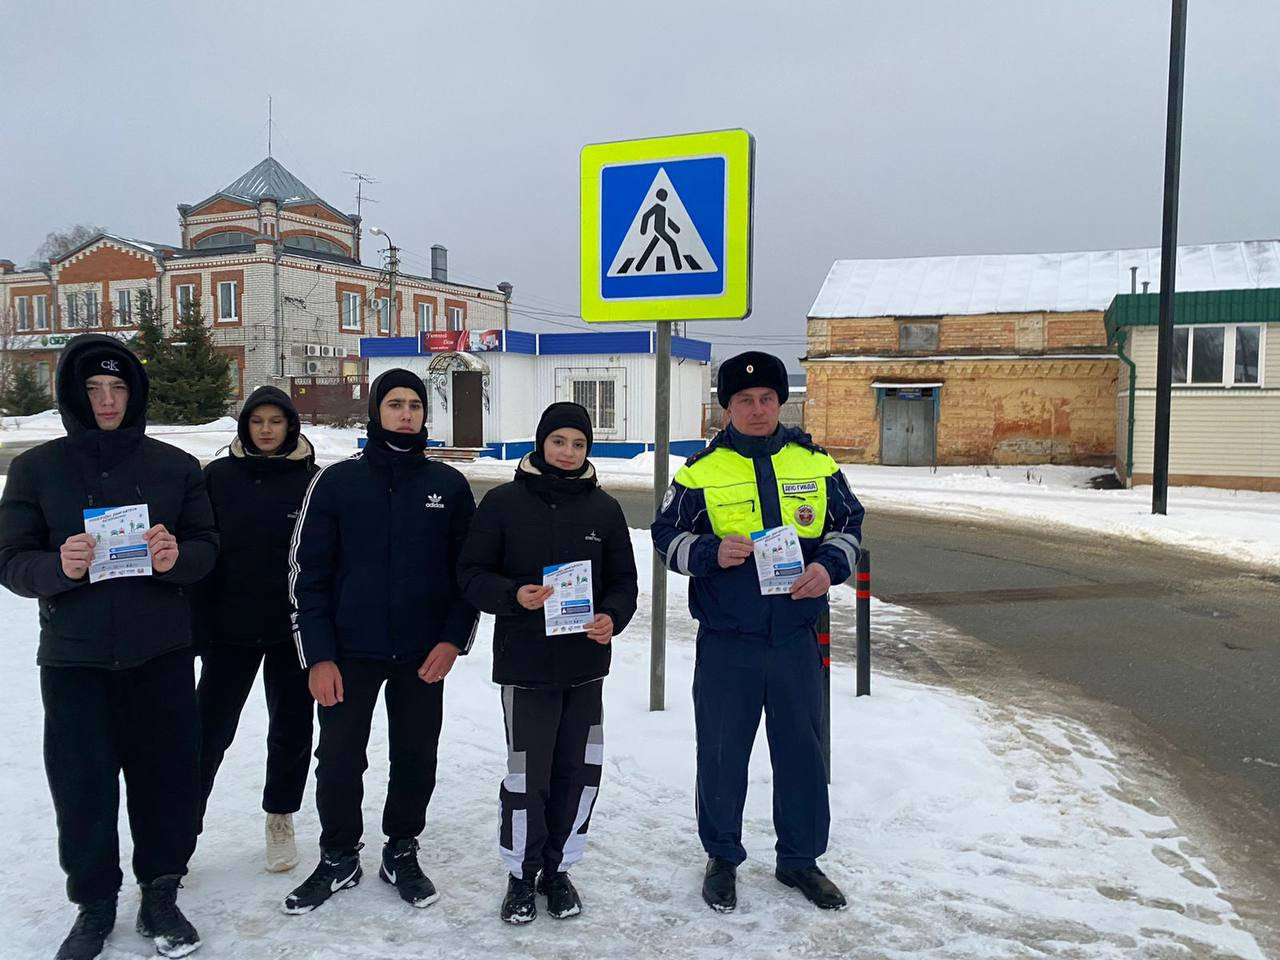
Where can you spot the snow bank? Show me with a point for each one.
(961, 829)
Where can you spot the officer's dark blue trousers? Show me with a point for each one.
(737, 676)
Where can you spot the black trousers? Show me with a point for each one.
(555, 749)
(226, 677)
(142, 721)
(414, 713)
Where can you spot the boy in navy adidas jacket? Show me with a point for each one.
(376, 602)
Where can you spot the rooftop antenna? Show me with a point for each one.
(361, 179)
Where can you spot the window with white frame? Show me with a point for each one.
(227, 311)
(426, 316)
(124, 308)
(455, 318)
(22, 311)
(91, 317)
(72, 319)
(351, 311)
(42, 311)
(186, 297)
(1226, 355)
(382, 307)
(42, 375)
(599, 397)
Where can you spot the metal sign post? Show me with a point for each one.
(666, 237)
(661, 459)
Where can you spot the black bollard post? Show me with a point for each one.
(824, 647)
(864, 622)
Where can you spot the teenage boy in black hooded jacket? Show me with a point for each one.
(553, 512)
(376, 602)
(242, 609)
(116, 675)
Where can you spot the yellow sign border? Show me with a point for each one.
(738, 149)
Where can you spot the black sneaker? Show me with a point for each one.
(562, 899)
(815, 885)
(519, 905)
(720, 886)
(160, 920)
(400, 869)
(93, 922)
(337, 870)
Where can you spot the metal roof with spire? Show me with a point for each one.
(268, 180)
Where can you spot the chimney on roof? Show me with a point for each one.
(6, 266)
(1145, 284)
(1133, 279)
(439, 263)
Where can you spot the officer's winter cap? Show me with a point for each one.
(564, 414)
(751, 369)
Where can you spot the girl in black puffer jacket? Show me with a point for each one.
(553, 512)
(242, 609)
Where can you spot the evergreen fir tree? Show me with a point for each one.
(24, 395)
(149, 343)
(190, 379)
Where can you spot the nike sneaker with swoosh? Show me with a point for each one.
(337, 870)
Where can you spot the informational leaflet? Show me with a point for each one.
(120, 550)
(569, 608)
(779, 560)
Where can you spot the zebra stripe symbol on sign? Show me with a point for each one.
(662, 237)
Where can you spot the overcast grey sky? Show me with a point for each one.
(883, 129)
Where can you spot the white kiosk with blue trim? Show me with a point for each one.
(488, 387)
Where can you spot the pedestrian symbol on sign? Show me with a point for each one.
(662, 237)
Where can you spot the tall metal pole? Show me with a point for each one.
(661, 462)
(1168, 260)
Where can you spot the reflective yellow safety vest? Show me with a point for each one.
(728, 482)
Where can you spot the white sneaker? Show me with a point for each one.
(282, 850)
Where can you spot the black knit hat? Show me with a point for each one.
(751, 369)
(104, 361)
(388, 381)
(564, 414)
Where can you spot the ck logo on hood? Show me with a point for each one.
(434, 501)
(111, 365)
(592, 537)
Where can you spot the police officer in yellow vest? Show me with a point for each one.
(759, 653)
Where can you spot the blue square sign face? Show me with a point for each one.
(662, 229)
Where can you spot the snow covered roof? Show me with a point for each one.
(1023, 282)
(269, 179)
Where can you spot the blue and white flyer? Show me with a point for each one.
(119, 550)
(569, 608)
(779, 560)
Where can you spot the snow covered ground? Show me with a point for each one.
(961, 829)
(1240, 525)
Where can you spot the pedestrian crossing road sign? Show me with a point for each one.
(666, 228)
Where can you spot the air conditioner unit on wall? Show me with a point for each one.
(326, 351)
(313, 350)
(339, 351)
(313, 368)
